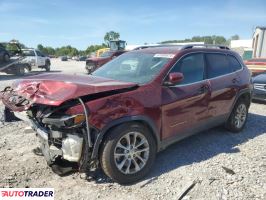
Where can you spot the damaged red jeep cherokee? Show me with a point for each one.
(132, 107)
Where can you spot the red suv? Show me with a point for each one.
(132, 107)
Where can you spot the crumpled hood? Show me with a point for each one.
(54, 89)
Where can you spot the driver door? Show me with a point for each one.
(40, 59)
(185, 105)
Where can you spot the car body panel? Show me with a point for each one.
(259, 85)
(131, 103)
(184, 107)
(224, 90)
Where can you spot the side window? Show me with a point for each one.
(39, 53)
(192, 67)
(217, 65)
(234, 63)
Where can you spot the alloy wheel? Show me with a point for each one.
(241, 115)
(131, 153)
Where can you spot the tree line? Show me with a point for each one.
(112, 35)
(69, 50)
(72, 51)
(214, 39)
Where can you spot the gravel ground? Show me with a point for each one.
(205, 158)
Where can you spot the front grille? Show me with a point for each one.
(259, 86)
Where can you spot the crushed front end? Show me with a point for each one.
(65, 140)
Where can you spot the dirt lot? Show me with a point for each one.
(204, 157)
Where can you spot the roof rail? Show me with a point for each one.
(190, 46)
(183, 47)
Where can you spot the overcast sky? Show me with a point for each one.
(81, 23)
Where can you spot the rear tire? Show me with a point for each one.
(47, 66)
(128, 153)
(238, 117)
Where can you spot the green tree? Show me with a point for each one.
(111, 35)
(13, 46)
(214, 39)
(93, 48)
(235, 37)
(50, 51)
(40, 47)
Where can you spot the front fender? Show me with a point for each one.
(137, 118)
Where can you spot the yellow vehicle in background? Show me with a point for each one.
(101, 51)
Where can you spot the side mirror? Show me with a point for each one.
(174, 78)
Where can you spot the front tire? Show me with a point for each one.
(6, 57)
(238, 117)
(128, 153)
(19, 71)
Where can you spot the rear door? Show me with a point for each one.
(223, 82)
(185, 105)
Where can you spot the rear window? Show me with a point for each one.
(234, 64)
(217, 65)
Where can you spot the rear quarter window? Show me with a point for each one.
(234, 63)
(217, 65)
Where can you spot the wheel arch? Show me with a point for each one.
(129, 119)
(48, 61)
(245, 94)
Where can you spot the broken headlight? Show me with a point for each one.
(65, 121)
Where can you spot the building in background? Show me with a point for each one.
(259, 42)
(241, 43)
(243, 47)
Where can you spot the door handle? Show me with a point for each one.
(203, 89)
(235, 80)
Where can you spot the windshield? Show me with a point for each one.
(134, 67)
(106, 54)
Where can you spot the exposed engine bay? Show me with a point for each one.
(64, 139)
